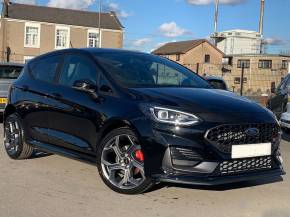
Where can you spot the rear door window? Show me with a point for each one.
(45, 68)
(10, 72)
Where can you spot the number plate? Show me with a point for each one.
(251, 150)
(3, 100)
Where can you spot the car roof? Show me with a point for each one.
(91, 50)
(12, 64)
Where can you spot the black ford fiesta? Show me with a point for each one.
(143, 119)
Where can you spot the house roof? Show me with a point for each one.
(63, 16)
(180, 47)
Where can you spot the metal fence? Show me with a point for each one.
(250, 80)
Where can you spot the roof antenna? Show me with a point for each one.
(71, 45)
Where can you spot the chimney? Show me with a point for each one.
(5, 8)
(261, 24)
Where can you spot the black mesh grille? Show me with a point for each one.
(245, 165)
(224, 136)
(185, 153)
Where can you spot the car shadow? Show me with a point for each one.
(225, 187)
(39, 154)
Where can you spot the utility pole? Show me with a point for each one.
(216, 16)
(262, 12)
(242, 79)
(261, 25)
(100, 15)
(216, 21)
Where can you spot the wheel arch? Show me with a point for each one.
(9, 110)
(112, 125)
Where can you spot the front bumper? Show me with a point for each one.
(202, 165)
(219, 172)
(218, 180)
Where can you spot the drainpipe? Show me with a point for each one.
(8, 54)
(5, 8)
(4, 14)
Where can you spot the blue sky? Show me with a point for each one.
(149, 23)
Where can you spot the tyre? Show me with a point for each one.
(14, 143)
(120, 162)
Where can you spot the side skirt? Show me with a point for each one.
(63, 152)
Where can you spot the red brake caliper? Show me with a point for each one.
(140, 157)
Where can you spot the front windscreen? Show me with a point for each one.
(143, 70)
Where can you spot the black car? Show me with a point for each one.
(142, 118)
(279, 99)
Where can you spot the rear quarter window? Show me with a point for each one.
(45, 68)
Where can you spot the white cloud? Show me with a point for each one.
(72, 4)
(275, 41)
(141, 42)
(160, 44)
(207, 2)
(115, 7)
(172, 30)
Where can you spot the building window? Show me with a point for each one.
(32, 35)
(62, 37)
(285, 64)
(93, 38)
(207, 58)
(265, 64)
(177, 57)
(246, 63)
(237, 80)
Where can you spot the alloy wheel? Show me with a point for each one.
(122, 162)
(12, 140)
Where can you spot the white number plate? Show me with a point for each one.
(251, 150)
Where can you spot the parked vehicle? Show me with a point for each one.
(133, 115)
(285, 120)
(8, 73)
(216, 82)
(278, 101)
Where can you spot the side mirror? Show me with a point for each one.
(86, 86)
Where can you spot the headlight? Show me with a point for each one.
(175, 117)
